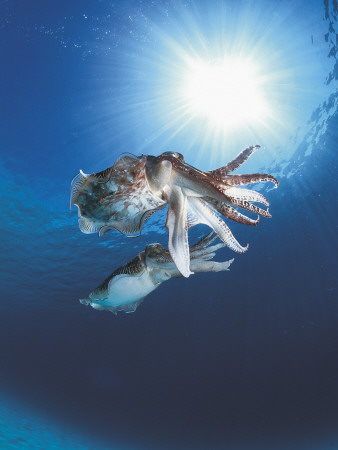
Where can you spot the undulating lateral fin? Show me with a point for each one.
(76, 187)
(125, 160)
(133, 226)
(149, 213)
(87, 226)
(247, 195)
(250, 207)
(232, 213)
(100, 293)
(234, 164)
(104, 176)
(176, 224)
(128, 308)
(103, 230)
(129, 230)
(209, 217)
(240, 180)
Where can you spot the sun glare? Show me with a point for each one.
(227, 93)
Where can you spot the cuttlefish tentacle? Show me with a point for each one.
(209, 217)
(204, 242)
(247, 195)
(197, 189)
(205, 256)
(176, 224)
(250, 207)
(240, 180)
(234, 164)
(76, 187)
(232, 213)
(203, 249)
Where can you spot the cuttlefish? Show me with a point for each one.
(125, 195)
(128, 286)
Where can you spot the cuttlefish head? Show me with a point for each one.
(175, 155)
(155, 255)
(159, 170)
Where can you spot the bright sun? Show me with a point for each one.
(226, 92)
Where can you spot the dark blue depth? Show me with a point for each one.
(246, 359)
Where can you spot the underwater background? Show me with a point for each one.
(246, 359)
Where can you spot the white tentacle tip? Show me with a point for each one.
(83, 174)
(245, 249)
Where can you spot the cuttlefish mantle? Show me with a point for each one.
(118, 198)
(125, 195)
(128, 286)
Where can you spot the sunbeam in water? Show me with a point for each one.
(244, 359)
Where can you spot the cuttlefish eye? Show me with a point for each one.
(154, 250)
(154, 246)
(174, 155)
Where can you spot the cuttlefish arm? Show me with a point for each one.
(196, 197)
(176, 224)
(127, 287)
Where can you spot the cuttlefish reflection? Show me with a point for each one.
(123, 196)
(128, 286)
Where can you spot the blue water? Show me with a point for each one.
(246, 359)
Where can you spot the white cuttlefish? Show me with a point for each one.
(128, 286)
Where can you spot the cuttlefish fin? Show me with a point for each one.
(103, 230)
(149, 213)
(76, 187)
(209, 217)
(125, 160)
(176, 224)
(87, 226)
(128, 308)
(131, 227)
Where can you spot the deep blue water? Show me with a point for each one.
(246, 359)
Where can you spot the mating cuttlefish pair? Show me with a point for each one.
(125, 195)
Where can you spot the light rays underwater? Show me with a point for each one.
(243, 360)
(202, 78)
